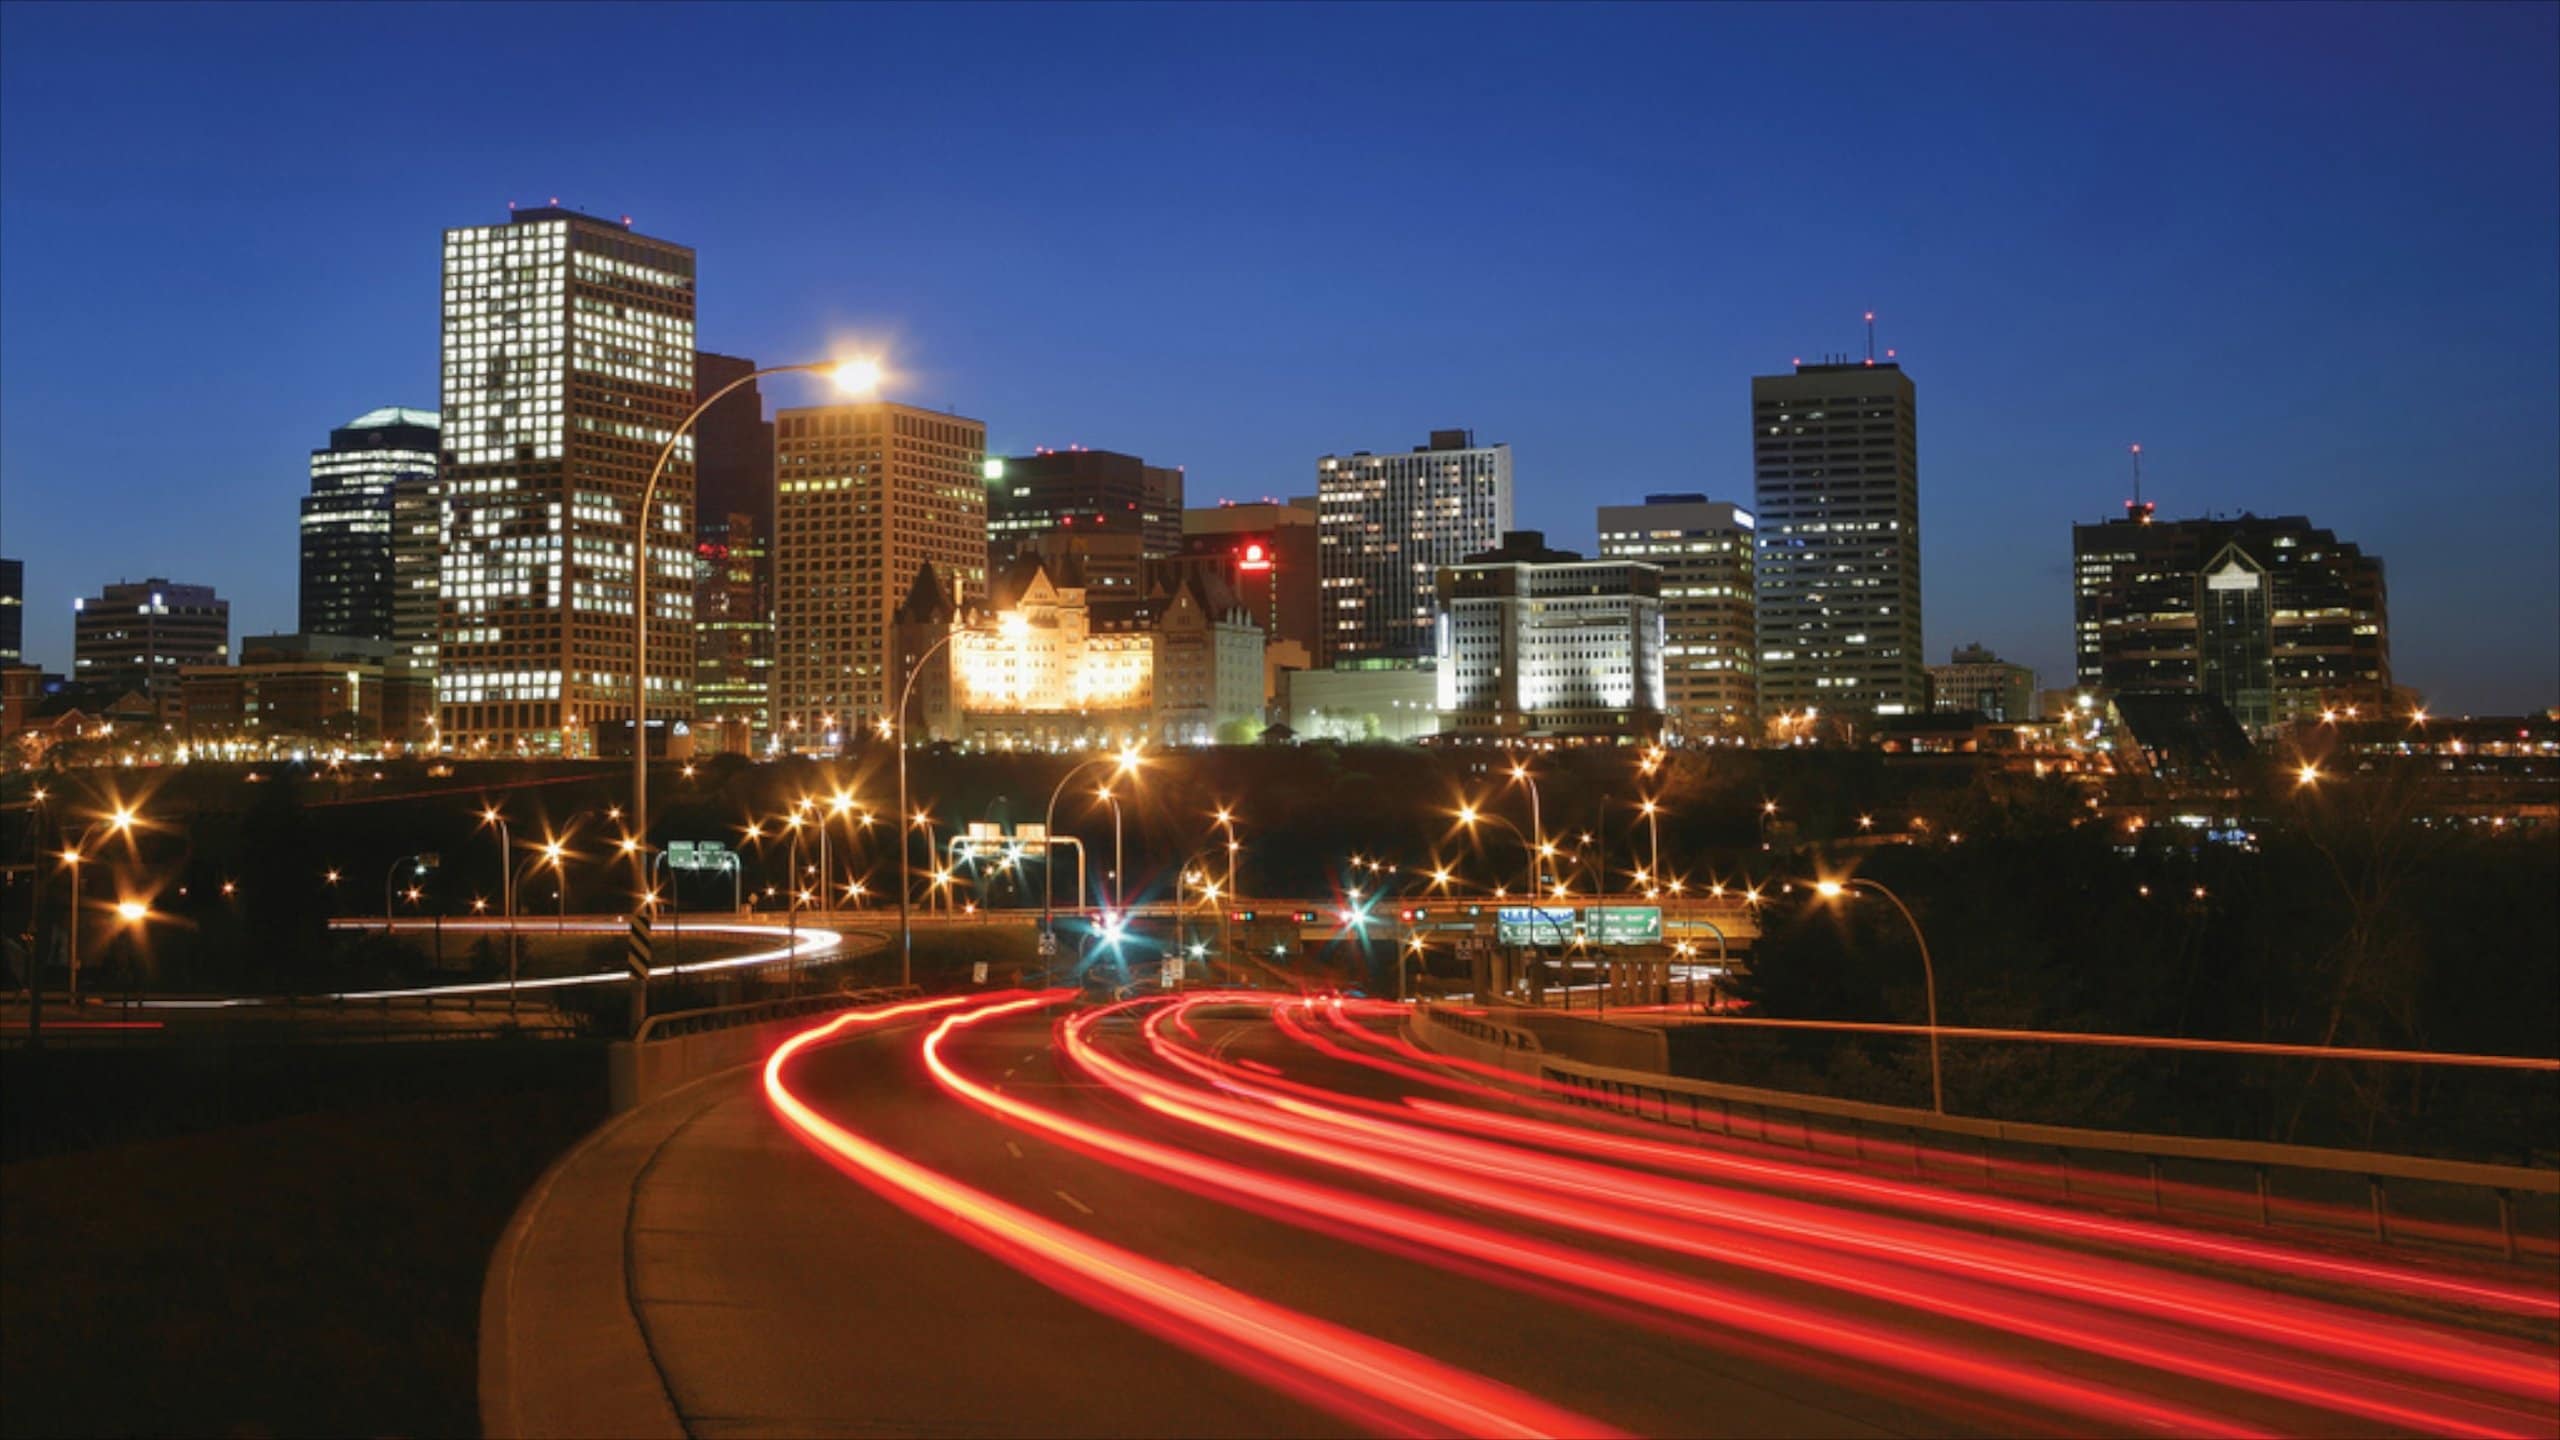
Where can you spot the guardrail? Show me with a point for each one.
(1675, 1100)
(1483, 1032)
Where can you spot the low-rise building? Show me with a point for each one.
(326, 689)
(1975, 679)
(1381, 699)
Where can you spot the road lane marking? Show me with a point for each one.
(1081, 1207)
(1014, 1149)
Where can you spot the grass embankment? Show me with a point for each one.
(316, 1273)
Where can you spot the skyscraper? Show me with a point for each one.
(1386, 524)
(867, 495)
(1030, 497)
(568, 360)
(733, 613)
(1836, 463)
(733, 445)
(2277, 619)
(140, 635)
(361, 540)
(733, 566)
(1710, 663)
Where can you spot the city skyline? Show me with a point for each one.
(2299, 340)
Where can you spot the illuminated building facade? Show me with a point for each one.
(1836, 468)
(1079, 491)
(1706, 552)
(1537, 643)
(1047, 663)
(867, 494)
(1386, 524)
(1388, 701)
(2274, 617)
(142, 636)
(370, 536)
(568, 361)
(1974, 679)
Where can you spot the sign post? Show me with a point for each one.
(635, 955)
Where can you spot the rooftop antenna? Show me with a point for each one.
(1871, 337)
(2134, 509)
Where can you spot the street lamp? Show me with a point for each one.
(1833, 890)
(852, 377)
(75, 853)
(897, 730)
(1127, 764)
(490, 815)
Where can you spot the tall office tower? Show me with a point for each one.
(1537, 643)
(868, 495)
(1836, 461)
(1074, 490)
(13, 611)
(733, 615)
(378, 471)
(732, 445)
(733, 567)
(140, 636)
(1710, 664)
(568, 361)
(2275, 618)
(1386, 524)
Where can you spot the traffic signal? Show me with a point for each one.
(1240, 916)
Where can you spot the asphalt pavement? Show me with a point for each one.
(700, 1267)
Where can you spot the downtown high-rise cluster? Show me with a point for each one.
(468, 583)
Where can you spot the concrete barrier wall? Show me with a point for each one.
(641, 1073)
(1450, 1040)
(1594, 1041)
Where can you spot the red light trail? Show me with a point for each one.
(2013, 1312)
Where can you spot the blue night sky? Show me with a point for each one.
(2308, 256)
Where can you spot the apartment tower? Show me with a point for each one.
(1387, 524)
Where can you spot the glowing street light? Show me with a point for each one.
(1836, 889)
(858, 375)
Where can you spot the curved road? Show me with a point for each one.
(1001, 1215)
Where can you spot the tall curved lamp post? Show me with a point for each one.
(1833, 890)
(898, 734)
(1127, 761)
(853, 377)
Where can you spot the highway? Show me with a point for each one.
(1248, 1215)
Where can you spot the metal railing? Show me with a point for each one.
(756, 1012)
(1675, 1100)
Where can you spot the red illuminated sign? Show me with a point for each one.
(1255, 557)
